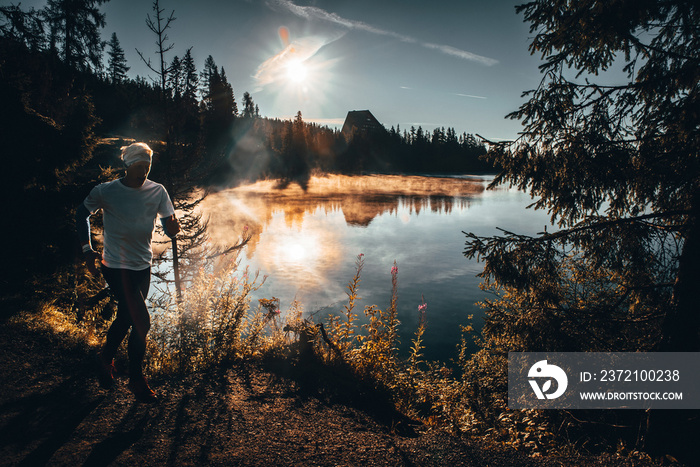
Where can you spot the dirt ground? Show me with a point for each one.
(52, 412)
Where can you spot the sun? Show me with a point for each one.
(296, 71)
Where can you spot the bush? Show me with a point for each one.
(214, 323)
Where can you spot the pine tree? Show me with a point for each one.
(208, 72)
(26, 27)
(116, 66)
(181, 156)
(220, 108)
(175, 78)
(248, 106)
(229, 107)
(190, 78)
(75, 25)
(617, 168)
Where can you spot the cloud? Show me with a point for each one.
(463, 54)
(470, 95)
(311, 12)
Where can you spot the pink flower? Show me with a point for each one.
(245, 228)
(421, 312)
(395, 270)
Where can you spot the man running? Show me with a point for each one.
(130, 206)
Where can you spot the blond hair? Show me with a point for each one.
(135, 153)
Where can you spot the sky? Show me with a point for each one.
(455, 63)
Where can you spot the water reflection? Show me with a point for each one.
(297, 235)
(359, 199)
(307, 241)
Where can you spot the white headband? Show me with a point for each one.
(136, 152)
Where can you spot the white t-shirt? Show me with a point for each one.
(129, 216)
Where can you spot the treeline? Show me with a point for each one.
(292, 150)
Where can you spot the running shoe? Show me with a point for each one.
(105, 372)
(142, 391)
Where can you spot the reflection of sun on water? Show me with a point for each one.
(297, 252)
(302, 253)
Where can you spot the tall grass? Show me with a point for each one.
(217, 323)
(471, 399)
(419, 388)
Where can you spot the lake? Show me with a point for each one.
(307, 242)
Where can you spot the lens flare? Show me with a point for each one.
(284, 36)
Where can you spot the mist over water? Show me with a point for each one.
(307, 242)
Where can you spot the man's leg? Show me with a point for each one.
(141, 320)
(118, 283)
(136, 293)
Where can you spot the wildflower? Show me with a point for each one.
(395, 270)
(245, 227)
(421, 312)
(361, 255)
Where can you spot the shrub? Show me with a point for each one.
(214, 322)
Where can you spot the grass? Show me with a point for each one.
(217, 323)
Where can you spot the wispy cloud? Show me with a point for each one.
(463, 54)
(301, 49)
(311, 12)
(470, 95)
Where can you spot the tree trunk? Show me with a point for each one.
(176, 269)
(681, 330)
